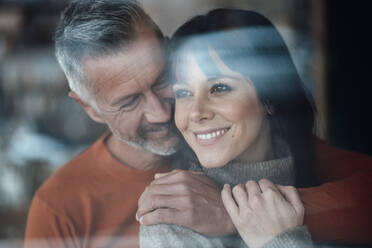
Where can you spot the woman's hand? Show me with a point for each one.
(262, 211)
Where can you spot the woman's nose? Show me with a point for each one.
(200, 110)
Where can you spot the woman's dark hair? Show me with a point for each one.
(248, 43)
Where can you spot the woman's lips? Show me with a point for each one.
(210, 137)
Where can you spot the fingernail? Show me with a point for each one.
(157, 175)
(137, 217)
(140, 220)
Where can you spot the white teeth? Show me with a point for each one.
(210, 135)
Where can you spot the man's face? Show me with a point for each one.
(132, 97)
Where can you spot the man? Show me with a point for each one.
(112, 55)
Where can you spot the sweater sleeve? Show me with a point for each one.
(164, 235)
(297, 237)
(339, 211)
(46, 229)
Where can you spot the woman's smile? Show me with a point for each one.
(211, 136)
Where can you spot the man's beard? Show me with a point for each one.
(158, 146)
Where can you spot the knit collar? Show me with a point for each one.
(279, 170)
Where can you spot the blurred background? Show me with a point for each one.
(41, 128)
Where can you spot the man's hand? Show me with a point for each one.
(188, 199)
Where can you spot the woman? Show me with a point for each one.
(241, 108)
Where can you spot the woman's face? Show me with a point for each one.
(221, 118)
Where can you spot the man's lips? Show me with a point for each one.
(155, 127)
(157, 131)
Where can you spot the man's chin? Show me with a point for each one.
(166, 148)
(160, 152)
(162, 146)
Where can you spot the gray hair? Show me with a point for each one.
(94, 28)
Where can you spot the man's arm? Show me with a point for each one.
(339, 211)
(336, 212)
(46, 229)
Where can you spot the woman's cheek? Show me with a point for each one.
(180, 116)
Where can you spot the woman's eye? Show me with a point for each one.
(218, 88)
(181, 93)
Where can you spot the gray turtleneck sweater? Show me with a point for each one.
(279, 171)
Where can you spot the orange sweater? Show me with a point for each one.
(92, 201)
(89, 202)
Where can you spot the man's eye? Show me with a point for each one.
(181, 93)
(130, 104)
(219, 88)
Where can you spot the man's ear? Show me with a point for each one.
(92, 113)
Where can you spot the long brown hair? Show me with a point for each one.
(249, 43)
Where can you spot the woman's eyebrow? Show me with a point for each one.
(179, 83)
(216, 78)
(213, 79)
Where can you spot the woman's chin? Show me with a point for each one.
(212, 162)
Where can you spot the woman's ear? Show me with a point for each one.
(92, 113)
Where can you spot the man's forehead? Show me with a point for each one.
(129, 60)
(136, 66)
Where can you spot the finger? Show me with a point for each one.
(159, 201)
(161, 215)
(291, 195)
(266, 184)
(178, 176)
(240, 196)
(159, 175)
(228, 201)
(148, 200)
(197, 176)
(201, 177)
(252, 188)
(171, 177)
(176, 188)
(197, 172)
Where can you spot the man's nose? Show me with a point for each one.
(157, 109)
(200, 110)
